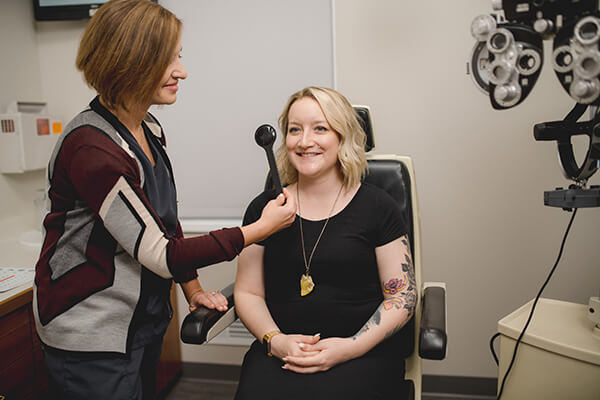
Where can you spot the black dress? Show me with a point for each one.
(347, 292)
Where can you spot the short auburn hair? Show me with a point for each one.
(126, 48)
(342, 118)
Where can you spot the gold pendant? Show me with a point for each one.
(306, 285)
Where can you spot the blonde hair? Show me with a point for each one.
(343, 120)
(126, 48)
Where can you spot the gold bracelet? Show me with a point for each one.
(267, 341)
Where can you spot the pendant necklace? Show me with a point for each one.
(306, 282)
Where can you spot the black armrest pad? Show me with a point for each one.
(432, 337)
(196, 324)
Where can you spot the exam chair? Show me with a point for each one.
(426, 331)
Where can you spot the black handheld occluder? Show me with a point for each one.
(265, 136)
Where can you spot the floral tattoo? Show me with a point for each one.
(394, 286)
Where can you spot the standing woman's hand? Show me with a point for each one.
(278, 214)
(208, 299)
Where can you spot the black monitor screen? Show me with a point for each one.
(50, 3)
(56, 10)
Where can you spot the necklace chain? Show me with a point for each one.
(307, 264)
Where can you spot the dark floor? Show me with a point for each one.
(199, 389)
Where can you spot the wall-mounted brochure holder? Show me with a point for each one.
(27, 137)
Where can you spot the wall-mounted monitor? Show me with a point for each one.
(58, 10)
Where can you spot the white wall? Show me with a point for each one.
(38, 64)
(480, 173)
(19, 68)
(236, 68)
(62, 85)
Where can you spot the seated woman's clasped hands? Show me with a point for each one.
(320, 356)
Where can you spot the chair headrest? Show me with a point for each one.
(364, 118)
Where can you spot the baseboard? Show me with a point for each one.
(211, 372)
(433, 385)
(464, 386)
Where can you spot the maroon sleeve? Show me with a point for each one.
(96, 167)
(200, 251)
(188, 275)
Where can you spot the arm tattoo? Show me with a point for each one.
(404, 290)
(394, 286)
(387, 304)
(373, 321)
(404, 296)
(410, 295)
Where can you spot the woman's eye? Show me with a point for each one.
(293, 130)
(321, 128)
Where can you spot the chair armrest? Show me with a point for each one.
(203, 324)
(432, 336)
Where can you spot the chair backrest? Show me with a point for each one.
(395, 174)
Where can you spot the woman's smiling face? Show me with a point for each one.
(167, 92)
(311, 143)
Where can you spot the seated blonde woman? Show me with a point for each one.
(327, 297)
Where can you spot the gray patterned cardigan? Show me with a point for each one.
(101, 230)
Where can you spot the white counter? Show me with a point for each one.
(16, 253)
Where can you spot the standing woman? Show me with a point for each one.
(113, 241)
